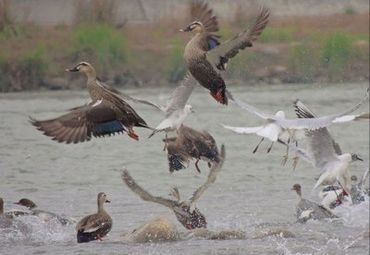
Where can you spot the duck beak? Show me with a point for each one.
(72, 69)
(187, 29)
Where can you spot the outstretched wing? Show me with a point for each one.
(302, 111)
(143, 194)
(181, 94)
(221, 54)
(216, 168)
(200, 11)
(81, 123)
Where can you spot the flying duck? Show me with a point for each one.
(106, 114)
(190, 144)
(185, 211)
(205, 57)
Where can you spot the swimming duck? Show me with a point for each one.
(185, 211)
(43, 215)
(189, 144)
(307, 209)
(205, 57)
(106, 114)
(97, 225)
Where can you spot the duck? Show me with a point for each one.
(97, 225)
(185, 210)
(307, 209)
(106, 114)
(45, 216)
(191, 144)
(205, 57)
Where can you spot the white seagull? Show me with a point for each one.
(289, 130)
(176, 109)
(325, 154)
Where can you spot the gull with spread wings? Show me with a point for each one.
(205, 57)
(278, 127)
(186, 212)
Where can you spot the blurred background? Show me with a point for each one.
(137, 42)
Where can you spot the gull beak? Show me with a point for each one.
(107, 201)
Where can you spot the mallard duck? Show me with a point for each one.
(205, 57)
(190, 143)
(106, 114)
(43, 215)
(97, 225)
(307, 209)
(185, 211)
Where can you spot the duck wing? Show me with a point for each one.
(220, 55)
(143, 194)
(216, 168)
(93, 222)
(80, 124)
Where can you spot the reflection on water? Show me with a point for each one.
(252, 192)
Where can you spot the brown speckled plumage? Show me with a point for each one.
(106, 114)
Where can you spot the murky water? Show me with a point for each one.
(252, 192)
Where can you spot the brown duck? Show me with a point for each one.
(191, 144)
(205, 57)
(185, 211)
(97, 225)
(106, 114)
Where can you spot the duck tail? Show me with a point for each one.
(220, 96)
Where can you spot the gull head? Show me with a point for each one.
(280, 114)
(188, 109)
(355, 157)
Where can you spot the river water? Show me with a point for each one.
(252, 192)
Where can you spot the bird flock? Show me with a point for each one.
(109, 113)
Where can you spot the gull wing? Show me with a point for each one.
(319, 122)
(221, 54)
(244, 130)
(143, 194)
(302, 111)
(180, 95)
(250, 108)
(216, 168)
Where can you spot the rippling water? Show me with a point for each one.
(252, 192)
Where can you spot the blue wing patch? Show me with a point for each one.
(212, 42)
(107, 128)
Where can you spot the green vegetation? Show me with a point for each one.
(100, 44)
(336, 53)
(175, 66)
(303, 61)
(274, 34)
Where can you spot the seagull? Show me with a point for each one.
(189, 144)
(279, 128)
(186, 212)
(307, 209)
(176, 109)
(325, 154)
(357, 190)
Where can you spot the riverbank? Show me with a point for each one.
(332, 48)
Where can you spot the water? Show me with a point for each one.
(252, 192)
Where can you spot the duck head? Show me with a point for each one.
(83, 67)
(195, 26)
(27, 203)
(102, 198)
(190, 219)
(297, 188)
